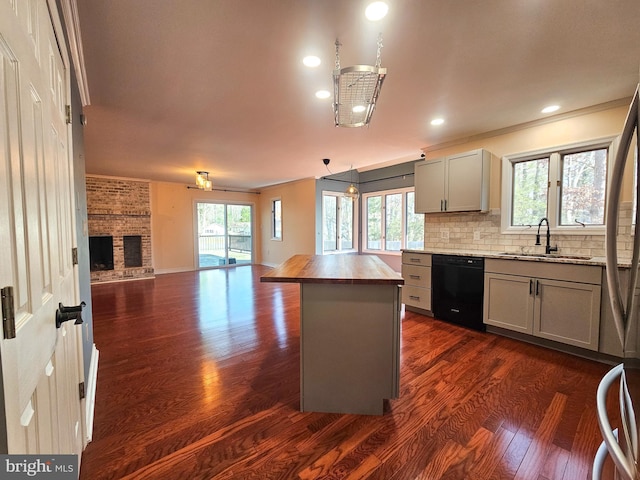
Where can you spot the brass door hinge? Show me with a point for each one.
(74, 255)
(67, 109)
(8, 313)
(81, 390)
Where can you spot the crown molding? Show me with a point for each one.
(534, 123)
(72, 27)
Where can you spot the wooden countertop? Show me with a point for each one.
(336, 269)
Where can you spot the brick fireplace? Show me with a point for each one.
(119, 217)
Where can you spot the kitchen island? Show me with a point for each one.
(349, 331)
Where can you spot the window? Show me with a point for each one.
(391, 223)
(338, 223)
(276, 219)
(567, 185)
(225, 234)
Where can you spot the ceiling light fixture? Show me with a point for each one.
(203, 182)
(311, 61)
(437, 121)
(376, 11)
(550, 109)
(353, 86)
(352, 192)
(323, 94)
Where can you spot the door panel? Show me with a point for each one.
(40, 366)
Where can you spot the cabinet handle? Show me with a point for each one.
(537, 287)
(445, 204)
(441, 205)
(530, 286)
(413, 297)
(415, 260)
(415, 277)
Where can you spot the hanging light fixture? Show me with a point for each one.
(352, 192)
(203, 182)
(356, 90)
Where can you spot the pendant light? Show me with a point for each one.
(352, 192)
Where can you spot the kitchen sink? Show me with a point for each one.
(547, 255)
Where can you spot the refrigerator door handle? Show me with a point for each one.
(624, 465)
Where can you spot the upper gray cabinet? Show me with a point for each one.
(457, 183)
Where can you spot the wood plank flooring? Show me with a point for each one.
(199, 379)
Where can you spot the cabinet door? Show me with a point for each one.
(567, 312)
(464, 182)
(508, 302)
(429, 186)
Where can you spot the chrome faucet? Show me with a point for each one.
(548, 248)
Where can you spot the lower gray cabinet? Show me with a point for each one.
(559, 302)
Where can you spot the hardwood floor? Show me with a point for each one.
(199, 379)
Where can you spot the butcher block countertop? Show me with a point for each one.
(335, 269)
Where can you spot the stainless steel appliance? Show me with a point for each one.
(622, 443)
(457, 285)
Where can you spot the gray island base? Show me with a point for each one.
(349, 331)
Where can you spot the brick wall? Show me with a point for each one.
(119, 207)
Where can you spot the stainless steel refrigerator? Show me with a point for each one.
(618, 422)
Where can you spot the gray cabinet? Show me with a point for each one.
(457, 183)
(416, 271)
(559, 302)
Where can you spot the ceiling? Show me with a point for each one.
(183, 85)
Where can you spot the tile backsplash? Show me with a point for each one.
(481, 231)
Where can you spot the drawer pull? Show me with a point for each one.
(414, 297)
(415, 260)
(415, 277)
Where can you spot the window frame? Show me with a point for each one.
(553, 213)
(274, 232)
(354, 224)
(404, 223)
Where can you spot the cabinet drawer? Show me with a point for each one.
(417, 275)
(423, 259)
(416, 297)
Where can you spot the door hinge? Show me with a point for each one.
(74, 255)
(67, 109)
(81, 390)
(8, 313)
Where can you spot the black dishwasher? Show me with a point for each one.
(457, 285)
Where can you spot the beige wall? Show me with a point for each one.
(173, 231)
(575, 129)
(298, 221)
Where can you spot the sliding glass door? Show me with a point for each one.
(225, 234)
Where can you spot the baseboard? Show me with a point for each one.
(91, 392)
(161, 271)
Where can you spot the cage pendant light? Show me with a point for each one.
(356, 90)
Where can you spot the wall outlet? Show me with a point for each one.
(444, 233)
(476, 235)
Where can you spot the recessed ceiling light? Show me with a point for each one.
(376, 11)
(311, 61)
(437, 121)
(550, 109)
(323, 94)
(359, 108)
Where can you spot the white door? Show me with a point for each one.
(41, 366)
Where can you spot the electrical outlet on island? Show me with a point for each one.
(444, 233)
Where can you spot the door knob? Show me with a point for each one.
(64, 314)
